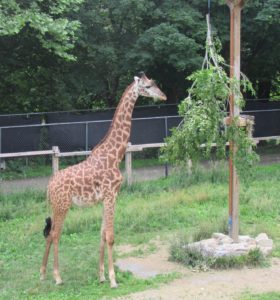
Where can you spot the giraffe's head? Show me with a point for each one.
(148, 88)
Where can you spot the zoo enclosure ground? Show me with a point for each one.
(164, 208)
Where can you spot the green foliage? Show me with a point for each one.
(54, 32)
(43, 71)
(245, 157)
(36, 38)
(204, 112)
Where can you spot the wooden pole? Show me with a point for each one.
(128, 165)
(235, 7)
(55, 159)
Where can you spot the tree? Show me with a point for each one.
(35, 39)
(120, 38)
(260, 45)
(80, 54)
(44, 18)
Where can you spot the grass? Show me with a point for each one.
(166, 207)
(263, 296)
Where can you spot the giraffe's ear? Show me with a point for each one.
(136, 79)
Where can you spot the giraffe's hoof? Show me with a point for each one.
(42, 277)
(102, 279)
(114, 285)
(58, 281)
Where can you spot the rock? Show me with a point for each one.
(245, 238)
(222, 245)
(217, 235)
(227, 240)
(264, 243)
(261, 236)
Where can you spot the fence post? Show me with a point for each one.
(128, 165)
(166, 134)
(55, 159)
(2, 162)
(0, 147)
(86, 136)
(190, 165)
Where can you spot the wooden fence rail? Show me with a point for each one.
(56, 154)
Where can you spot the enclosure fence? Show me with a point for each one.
(80, 136)
(84, 135)
(77, 138)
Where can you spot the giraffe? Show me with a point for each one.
(96, 179)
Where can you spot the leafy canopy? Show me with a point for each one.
(54, 32)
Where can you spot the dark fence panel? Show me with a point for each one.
(145, 131)
(80, 117)
(138, 112)
(155, 111)
(69, 137)
(261, 105)
(96, 132)
(267, 123)
(107, 114)
(85, 135)
(172, 122)
(15, 120)
(20, 139)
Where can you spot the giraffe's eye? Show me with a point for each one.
(148, 86)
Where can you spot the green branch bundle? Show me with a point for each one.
(203, 113)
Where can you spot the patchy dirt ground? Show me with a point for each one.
(227, 284)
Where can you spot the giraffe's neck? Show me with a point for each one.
(115, 142)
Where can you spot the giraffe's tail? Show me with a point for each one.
(48, 220)
(48, 227)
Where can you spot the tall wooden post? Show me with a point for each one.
(235, 7)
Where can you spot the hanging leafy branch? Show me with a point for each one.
(203, 113)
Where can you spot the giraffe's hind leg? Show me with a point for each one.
(45, 258)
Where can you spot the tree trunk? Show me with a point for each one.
(264, 87)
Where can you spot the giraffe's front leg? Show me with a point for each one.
(109, 210)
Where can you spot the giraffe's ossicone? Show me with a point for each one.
(96, 179)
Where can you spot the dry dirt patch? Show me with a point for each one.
(226, 284)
